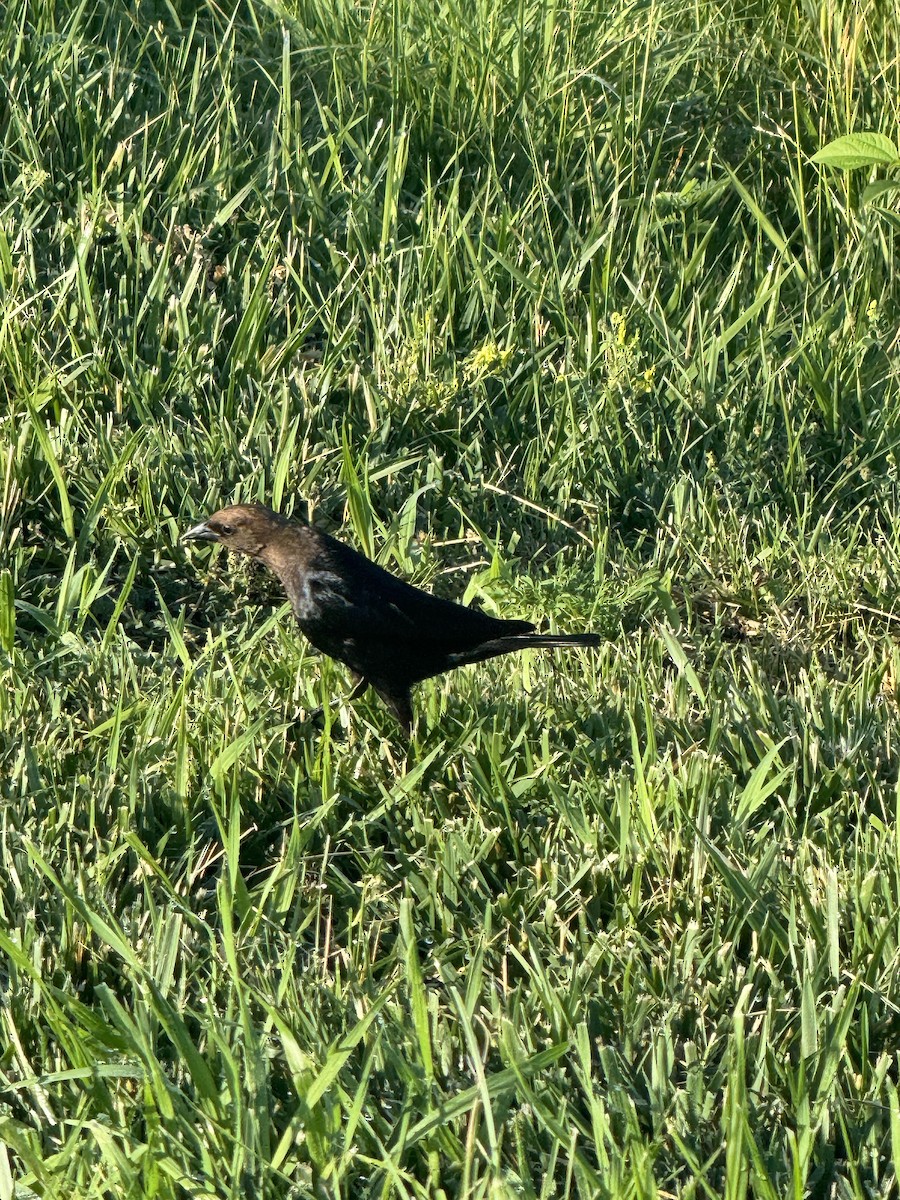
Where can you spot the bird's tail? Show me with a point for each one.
(522, 641)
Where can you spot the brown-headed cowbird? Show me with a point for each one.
(390, 634)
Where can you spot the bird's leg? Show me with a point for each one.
(399, 701)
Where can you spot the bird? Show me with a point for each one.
(390, 634)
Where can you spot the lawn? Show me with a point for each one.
(544, 307)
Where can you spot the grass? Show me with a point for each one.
(548, 308)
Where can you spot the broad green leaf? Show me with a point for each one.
(858, 150)
(880, 187)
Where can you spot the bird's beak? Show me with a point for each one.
(200, 533)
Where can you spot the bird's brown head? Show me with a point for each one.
(244, 528)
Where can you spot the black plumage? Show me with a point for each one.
(390, 634)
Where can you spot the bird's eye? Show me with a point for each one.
(225, 530)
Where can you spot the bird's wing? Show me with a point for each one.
(349, 596)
